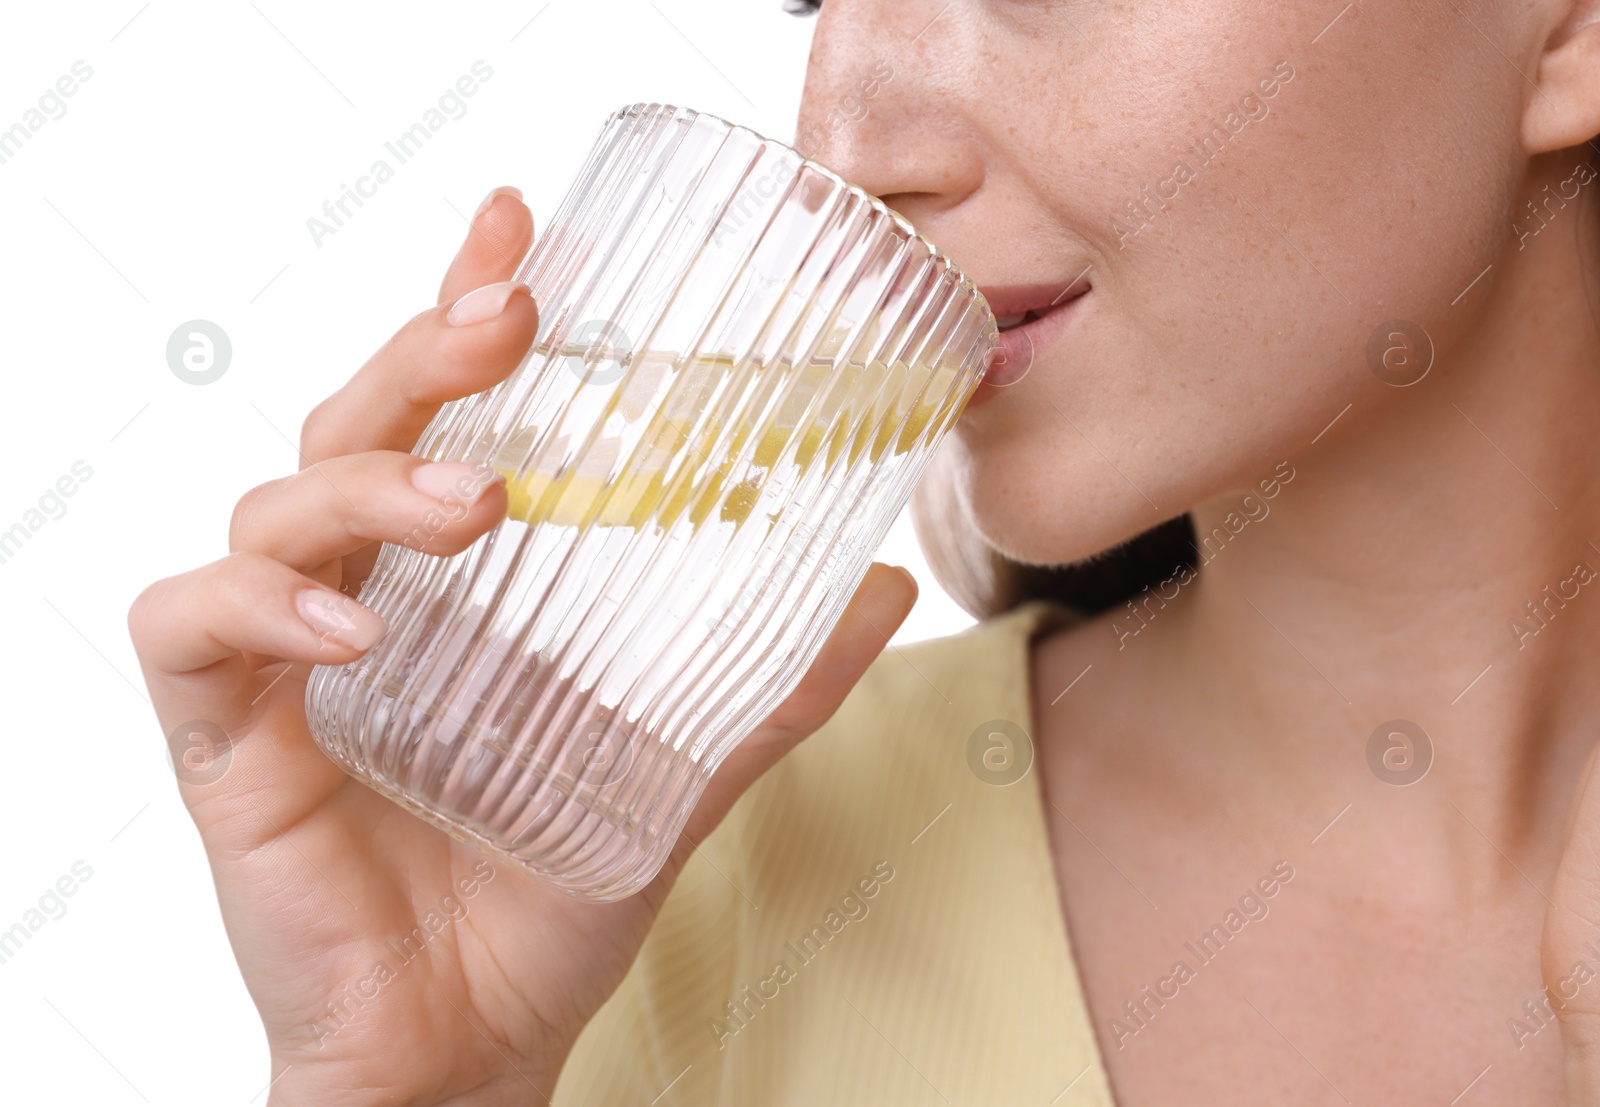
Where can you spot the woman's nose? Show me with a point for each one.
(883, 108)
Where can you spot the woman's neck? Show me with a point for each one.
(1435, 558)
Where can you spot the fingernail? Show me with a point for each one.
(458, 482)
(483, 303)
(488, 201)
(339, 618)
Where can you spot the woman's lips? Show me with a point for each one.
(1021, 344)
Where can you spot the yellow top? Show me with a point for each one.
(875, 922)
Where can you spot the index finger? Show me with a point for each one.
(498, 237)
(392, 398)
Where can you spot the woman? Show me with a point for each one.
(1296, 813)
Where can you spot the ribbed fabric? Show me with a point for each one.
(953, 983)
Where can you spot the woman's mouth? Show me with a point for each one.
(1009, 321)
(1029, 318)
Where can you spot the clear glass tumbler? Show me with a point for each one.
(743, 365)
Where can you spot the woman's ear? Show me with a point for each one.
(1565, 108)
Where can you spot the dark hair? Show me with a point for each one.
(1109, 578)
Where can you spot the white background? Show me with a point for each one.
(177, 186)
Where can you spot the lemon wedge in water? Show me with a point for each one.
(874, 410)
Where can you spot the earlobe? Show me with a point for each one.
(1565, 109)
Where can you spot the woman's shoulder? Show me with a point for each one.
(895, 859)
(915, 698)
(929, 722)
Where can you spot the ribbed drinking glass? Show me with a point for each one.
(742, 366)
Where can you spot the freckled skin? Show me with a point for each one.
(1051, 118)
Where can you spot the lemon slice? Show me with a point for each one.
(870, 410)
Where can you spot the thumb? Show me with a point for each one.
(876, 610)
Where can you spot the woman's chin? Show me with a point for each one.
(1027, 538)
(1044, 530)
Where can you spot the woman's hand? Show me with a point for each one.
(322, 882)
